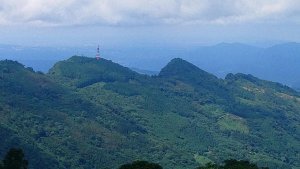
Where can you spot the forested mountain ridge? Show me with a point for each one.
(88, 113)
(277, 63)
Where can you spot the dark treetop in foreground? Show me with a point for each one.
(14, 159)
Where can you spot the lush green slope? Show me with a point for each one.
(58, 123)
(89, 113)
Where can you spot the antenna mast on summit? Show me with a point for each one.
(98, 53)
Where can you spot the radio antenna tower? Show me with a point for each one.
(98, 53)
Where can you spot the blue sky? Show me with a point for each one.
(148, 22)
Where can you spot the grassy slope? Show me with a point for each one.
(97, 114)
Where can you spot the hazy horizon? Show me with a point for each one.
(148, 23)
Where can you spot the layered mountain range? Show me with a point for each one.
(277, 63)
(88, 113)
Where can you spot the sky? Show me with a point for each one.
(132, 23)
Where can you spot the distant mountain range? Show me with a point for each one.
(279, 63)
(88, 113)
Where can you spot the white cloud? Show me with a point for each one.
(140, 12)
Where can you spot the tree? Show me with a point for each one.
(232, 164)
(141, 165)
(209, 166)
(242, 164)
(14, 159)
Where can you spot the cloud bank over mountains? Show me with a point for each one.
(145, 12)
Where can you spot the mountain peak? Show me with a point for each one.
(84, 71)
(179, 69)
(10, 66)
(178, 66)
(11, 63)
(183, 69)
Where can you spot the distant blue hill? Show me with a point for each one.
(279, 63)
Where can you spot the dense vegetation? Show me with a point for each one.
(88, 113)
(14, 159)
(232, 164)
(228, 164)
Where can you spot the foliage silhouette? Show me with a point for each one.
(14, 159)
(140, 165)
(232, 164)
